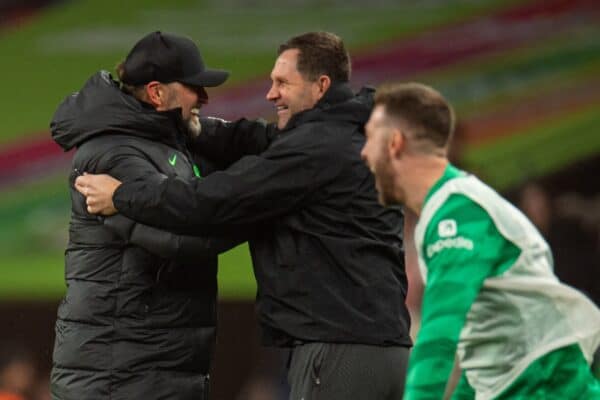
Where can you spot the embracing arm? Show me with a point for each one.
(129, 163)
(225, 142)
(165, 244)
(455, 275)
(255, 188)
(124, 163)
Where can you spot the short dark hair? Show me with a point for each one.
(429, 116)
(321, 53)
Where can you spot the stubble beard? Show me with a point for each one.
(385, 181)
(386, 197)
(282, 122)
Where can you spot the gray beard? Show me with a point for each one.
(194, 127)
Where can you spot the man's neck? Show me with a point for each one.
(424, 173)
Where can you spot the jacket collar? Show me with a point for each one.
(338, 92)
(101, 107)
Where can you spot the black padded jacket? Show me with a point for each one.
(133, 324)
(328, 258)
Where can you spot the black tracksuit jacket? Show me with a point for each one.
(133, 324)
(328, 258)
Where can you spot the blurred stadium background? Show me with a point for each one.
(524, 77)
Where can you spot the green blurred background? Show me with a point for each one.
(523, 76)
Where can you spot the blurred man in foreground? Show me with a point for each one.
(490, 293)
(134, 325)
(327, 257)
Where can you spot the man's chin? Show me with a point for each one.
(194, 126)
(282, 122)
(386, 199)
(382, 200)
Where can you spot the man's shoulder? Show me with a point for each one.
(345, 115)
(456, 228)
(107, 145)
(451, 201)
(457, 196)
(316, 140)
(457, 206)
(324, 132)
(103, 141)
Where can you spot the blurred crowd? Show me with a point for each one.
(20, 378)
(571, 225)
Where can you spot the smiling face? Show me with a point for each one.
(290, 91)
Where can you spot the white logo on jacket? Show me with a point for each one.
(447, 228)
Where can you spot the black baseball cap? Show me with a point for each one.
(165, 58)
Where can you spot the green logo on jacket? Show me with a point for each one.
(173, 160)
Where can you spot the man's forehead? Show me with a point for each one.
(287, 60)
(290, 55)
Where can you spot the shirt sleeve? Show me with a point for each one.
(462, 248)
(179, 247)
(254, 189)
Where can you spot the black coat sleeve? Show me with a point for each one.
(254, 189)
(225, 142)
(183, 248)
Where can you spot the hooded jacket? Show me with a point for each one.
(328, 258)
(132, 325)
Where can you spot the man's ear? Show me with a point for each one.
(155, 93)
(396, 143)
(322, 84)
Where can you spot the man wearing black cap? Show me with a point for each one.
(328, 258)
(134, 325)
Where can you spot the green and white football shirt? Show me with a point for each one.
(490, 294)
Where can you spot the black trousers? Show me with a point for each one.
(330, 371)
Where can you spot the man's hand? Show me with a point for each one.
(98, 191)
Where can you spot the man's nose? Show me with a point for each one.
(363, 154)
(272, 94)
